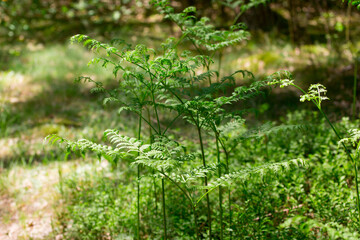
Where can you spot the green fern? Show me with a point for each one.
(353, 140)
(201, 32)
(262, 171)
(84, 145)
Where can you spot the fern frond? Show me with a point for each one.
(282, 78)
(315, 93)
(263, 171)
(268, 129)
(353, 140)
(93, 44)
(84, 145)
(194, 174)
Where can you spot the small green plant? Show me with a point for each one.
(316, 94)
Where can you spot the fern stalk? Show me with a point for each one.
(162, 180)
(164, 207)
(227, 171)
(193, 205)
(198, 127)
(153, 171)
(205, 179)
(138, 184)
(220, 189)
(154, 102)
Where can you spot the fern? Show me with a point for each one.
(353, 140)
(268, 129)
(263, 171)
(171, 80)
(162, 155)
(84, 145)
(201, 32)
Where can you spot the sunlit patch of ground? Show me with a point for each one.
(29, 197)
(28, 200)
(16, 87)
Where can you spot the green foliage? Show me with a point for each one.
(316, 229)
(98, 207)
(244, 6)
(315, 93)
(355, 3)
(264, 171)
(200, 32)
(6, 119)
(353, 139)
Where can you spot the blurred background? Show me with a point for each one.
(318, 41)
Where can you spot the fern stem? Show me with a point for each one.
(163, 207)
(227, 171)
(154, 102)
(145, 120)
(171, 123)
(188, 196)
(238, 16)
(220, 189)
(155, 196)
(153, 172)
(138, 202)
(162, 180)
(205, 179)
(186, 35)
(229, 191)
(138, 184)
(195, 222)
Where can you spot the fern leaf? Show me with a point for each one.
(262, 171)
